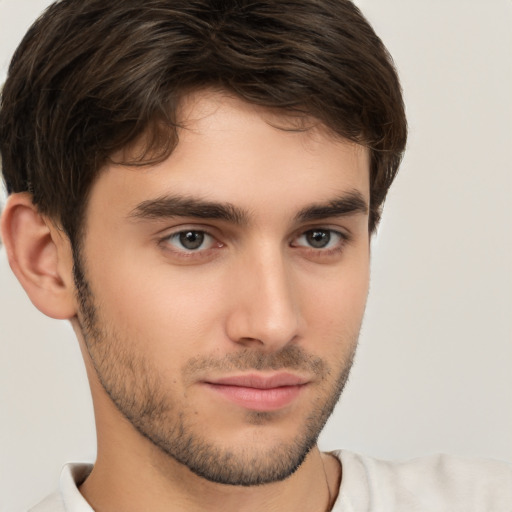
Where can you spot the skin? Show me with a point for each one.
(158, 322)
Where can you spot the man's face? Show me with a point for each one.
(223, 289)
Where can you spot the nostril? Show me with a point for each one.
(248, 342)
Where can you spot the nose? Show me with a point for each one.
(265, 312)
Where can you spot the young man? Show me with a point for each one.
(194, 184)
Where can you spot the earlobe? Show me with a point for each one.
(40, 257)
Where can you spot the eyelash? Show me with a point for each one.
(341, 237)
(185, 251)
(200, 252)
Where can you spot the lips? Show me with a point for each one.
(259, 392)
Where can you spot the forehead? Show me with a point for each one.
(232, 151)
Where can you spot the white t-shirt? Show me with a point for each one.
(439, 483)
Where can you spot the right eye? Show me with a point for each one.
(190, 240)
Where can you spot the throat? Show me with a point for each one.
(161, 482)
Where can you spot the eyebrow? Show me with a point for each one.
(350, 203)
(182, 206)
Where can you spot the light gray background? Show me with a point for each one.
(433, 371)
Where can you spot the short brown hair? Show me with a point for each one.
(93, 76)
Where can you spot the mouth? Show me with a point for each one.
(258, 392)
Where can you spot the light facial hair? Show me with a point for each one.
(138, 392)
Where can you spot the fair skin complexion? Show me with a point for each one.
(228, 285)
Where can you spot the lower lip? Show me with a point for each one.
(258, 399)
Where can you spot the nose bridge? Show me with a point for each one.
(265, 309)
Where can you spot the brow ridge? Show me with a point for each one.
(183, 206)
(350, 203)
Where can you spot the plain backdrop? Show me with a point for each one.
(433, 372)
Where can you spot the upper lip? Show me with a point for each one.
(258, 381)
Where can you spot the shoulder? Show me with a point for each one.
(438, 482)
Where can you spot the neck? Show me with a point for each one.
(129, 480)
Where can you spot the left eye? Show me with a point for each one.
(190, 240)
(320, 239)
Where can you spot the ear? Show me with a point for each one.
(40, 256)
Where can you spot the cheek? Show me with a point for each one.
(334, 306)
(338, 293)
(174, 313)
(165, 313)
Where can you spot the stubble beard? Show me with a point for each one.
(138, 393)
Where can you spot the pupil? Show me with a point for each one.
(318, 239)
(191, 239)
